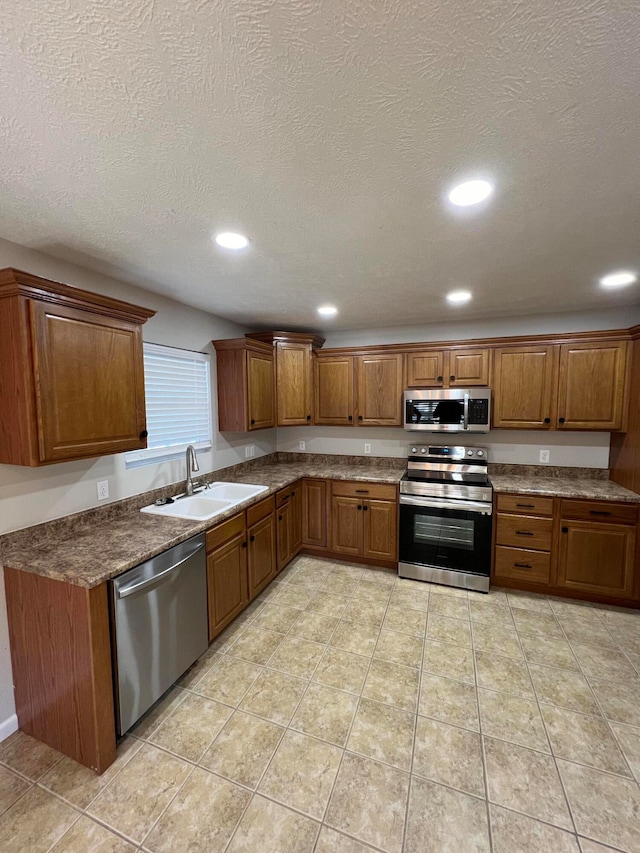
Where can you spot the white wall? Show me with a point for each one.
(519, 447)
(544, 324)
(32, 495)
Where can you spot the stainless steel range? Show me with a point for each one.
(446, 503)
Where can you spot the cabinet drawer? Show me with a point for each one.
(521, 564)
(285, 495)
(519, 530)
(260, 510)
(221, 533)
(380, 491)
(611, 513)
(527, 504)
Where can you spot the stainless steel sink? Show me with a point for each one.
(208, 503)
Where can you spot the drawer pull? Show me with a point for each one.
(523, 565)
(359, 506)
(565, 529)
(524, 533)
(527, 506)
(365, 509)
(598, 512)
(362, 491)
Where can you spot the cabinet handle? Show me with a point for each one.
(359, 417)
(359, 506)
(286, 497)
(144, 433)
(561, 420)
(547, 420)
(439, 378)
(362, 491)
(452, 379)
(308, 417)
(252, 421)
(598, 512)
(252, 539)
(527, 506)
(365, 508)
(523, 565)
(524, 533)
(565, 529)
(350, 417)
(244, 544)
(293, 494)
(279, 518)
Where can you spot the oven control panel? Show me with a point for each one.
(453, 452)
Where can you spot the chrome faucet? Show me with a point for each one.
(192, 465)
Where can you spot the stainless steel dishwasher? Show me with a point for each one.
(159, 622)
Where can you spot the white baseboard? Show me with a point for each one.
(8, 726)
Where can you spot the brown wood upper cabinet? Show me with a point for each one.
(572, 386)
(294, 374)
(361, 390)
(246, 385)
(71, 372)
(448, 368)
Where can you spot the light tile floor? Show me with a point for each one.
(348, 710)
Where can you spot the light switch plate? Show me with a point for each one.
(544, 456)
(103, 490)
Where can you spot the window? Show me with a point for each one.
(178, 400)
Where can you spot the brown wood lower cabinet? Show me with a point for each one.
(288, 523)
(582, 548)
(227, 586)
(347, 530)
(314, 513)
(261, 536)
(364, 524)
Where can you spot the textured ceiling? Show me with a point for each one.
(328, 132)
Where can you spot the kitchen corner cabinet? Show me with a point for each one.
(246, 385)
(463, 368)
(288, 523)
(361, 390)
(568, 387)
(227, 587)
(294, 375)
(71, 372)
(364, 520)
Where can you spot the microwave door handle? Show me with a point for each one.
(465, 415)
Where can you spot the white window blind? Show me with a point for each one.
(178, 400)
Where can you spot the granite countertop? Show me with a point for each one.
(563, 487)
(87, 549)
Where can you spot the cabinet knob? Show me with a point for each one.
(439, 378)
(293, 494)
(565, 529)
(452, 379)
(365, 508)
(252, 539)
(561, 420)
(359, 506)
(350, 417)
(308, 417)
(547, 420)
(244, 544)
(279, 518)
(359, 417)
(144, 433)
(252, 421)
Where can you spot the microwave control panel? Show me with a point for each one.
(478, 411)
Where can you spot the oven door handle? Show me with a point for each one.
(438, 503)
(465, 412)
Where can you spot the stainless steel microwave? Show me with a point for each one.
(447, 409)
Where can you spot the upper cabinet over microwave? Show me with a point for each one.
(447, 410)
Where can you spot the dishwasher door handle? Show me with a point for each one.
(129, 590)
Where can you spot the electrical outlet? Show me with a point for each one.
(367, 448)
(103, 490)
(249, 451)
(302, 445)
(544, 456)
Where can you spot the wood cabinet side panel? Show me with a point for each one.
(625, 447)
(314, 513)
(62, 670)
(18, 423)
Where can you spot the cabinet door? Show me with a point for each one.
(425, 369)
(597, 558)
(283, 535)
(89, 383)
(334, 390)
(380, 388)
(346, 525)
(314, 513)
(524, 387)
(262, 554)
(295, 519)
(294, 384)
(592, 385)
(260, 390)
(468, 368)
(227, 586)
(381, 530)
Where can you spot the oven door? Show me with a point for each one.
(446, 534)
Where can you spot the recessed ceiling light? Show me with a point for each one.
(458, 297)
(327, 310)
(231, 240)
(618, 279)
(471, 192)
